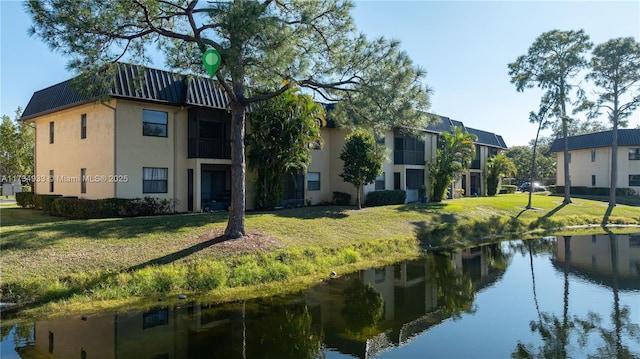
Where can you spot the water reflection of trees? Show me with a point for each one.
(286, 331)
(556, 332)
(363, 306)
(455, 293)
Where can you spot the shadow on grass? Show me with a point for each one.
(42, 235)
(172, 257)
(428, 207)
(607, 214)
(545, 220)
(313, 212)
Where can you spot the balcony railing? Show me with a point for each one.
(475, 164)
(408, 157)
(209, 148)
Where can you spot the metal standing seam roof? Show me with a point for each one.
(484, 138)
(626, 137)
(487, 138)
(157, 86)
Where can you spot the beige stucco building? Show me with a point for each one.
(168, 137)
(590, 159)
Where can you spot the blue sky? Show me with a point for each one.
(464, 46)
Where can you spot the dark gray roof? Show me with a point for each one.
(133, 83)
(484, 138)
(445, 125)
(626, 137)
(487, 138)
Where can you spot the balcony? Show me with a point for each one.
(475, 164)
(209, 148)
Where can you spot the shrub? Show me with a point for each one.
(79, 208)
(382, 198)
(25, 199)
(45, 201)
(593, 191)
(341, 198)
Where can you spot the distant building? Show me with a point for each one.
(590, 159)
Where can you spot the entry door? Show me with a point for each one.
(213, 185)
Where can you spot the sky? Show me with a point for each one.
(464, 46)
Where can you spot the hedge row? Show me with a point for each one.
(79, 208)
(382, 198)
(594, 191)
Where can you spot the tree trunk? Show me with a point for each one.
(614, 165)
(358, 188)
(235, 226)
(565, 125)
(614, 153)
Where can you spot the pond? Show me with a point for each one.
(553, 297)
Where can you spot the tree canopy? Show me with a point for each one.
(265, 44)
(363, 159)
(615, 70)
(551, 62)
(284, 131)
(497, 168)
(454, 154)
(16, 149)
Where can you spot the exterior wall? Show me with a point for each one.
(581, 168)
(69, 153)
(321, 161)
(135, 151)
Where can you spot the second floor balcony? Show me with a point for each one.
(209, 148)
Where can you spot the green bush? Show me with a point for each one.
(383, 198)
(593, 191)
(79, 208)
(45, 202)
(25, 199)
(341, 198)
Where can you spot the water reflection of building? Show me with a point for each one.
(410, 290)
(592, 257)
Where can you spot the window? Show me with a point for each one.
(634, 154)
(593, 180)
(380, 182)
(51, 179)
(593, 155)
(634, 180)
(83, 126)
(51, 132)
(313, 181)
(83, 180)
(154, 180)
(154, 123)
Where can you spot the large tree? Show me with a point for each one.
(363, 159)
(284, 131)
(266, 44)
(454, 154)
(16, 149)
(615, 70)
(551, 62)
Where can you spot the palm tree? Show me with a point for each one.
(454, 154)
(498, 167)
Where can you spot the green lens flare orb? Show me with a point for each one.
(211, 61)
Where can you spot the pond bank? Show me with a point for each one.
(51, 264)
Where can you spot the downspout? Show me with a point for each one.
(175, 160)
(115, 147)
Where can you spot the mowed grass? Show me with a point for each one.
(48, 259)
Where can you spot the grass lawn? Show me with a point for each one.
(47, 259)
